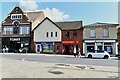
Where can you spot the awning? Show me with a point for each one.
(70, 42)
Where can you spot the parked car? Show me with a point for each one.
(118, 55)
(98, 54)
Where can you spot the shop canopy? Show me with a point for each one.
(70, 42)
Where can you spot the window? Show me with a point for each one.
(24, 30)
(16, 16)
(92, 33)
(51, 34)
(55, 34)
(67, 34)
(75, 34)
(16, 28)
(8, 29)
(47, 34)
(105, 32)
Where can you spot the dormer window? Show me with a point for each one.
(16, 16)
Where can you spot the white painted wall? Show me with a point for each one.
(42, 29)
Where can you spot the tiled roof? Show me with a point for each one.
(71, 25)
(99, 24)
(33, 15)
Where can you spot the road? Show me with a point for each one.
(68, 59)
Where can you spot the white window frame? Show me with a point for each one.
(15, 16)
(6, 28)
(105, 32)
(21, 30)
(93, 33)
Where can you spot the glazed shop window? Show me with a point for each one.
(24, 30)
(105, 32)
(8, 29)
(75, 34)
(67, 34)
(92, 32)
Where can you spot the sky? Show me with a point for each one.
(88, 12)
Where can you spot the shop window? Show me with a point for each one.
(75, 34)
(105, 32)
(92, 32)
(67, 34)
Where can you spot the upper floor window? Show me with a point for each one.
(47, 34)
(55, 34)
(51, 34)
(16, 27)
(105, 32)
(24, 30)
(75, 34)
(92, 32)
(16, 16)
(67, 34)
(8, 30)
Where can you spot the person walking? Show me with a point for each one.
(79, 54)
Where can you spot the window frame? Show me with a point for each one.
(91, 34)
(104, 33)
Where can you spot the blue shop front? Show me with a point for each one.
(44, 47)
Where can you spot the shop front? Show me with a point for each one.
(15, 43)
(110, 46)
(69, 47)
(45, 47)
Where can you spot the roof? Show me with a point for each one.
(100, 24)
(43, 21)
(33, 15)
(71, 25)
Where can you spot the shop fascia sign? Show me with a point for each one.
(14, 39)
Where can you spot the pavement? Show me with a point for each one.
(31, 69)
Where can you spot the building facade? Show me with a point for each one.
(100, 36)
(46, 34)
(72, 37)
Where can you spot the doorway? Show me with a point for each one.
(14, 46)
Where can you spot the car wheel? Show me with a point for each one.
(89, 56)
(106, 57)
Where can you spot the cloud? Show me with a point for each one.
(55, 14)
(29, 4)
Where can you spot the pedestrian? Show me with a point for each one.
(75, 52)
(79, 54)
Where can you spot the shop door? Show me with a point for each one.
(67, 48)
(38, 48)
(15, 46)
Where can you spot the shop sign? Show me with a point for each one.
(69, 42)
(14, 39)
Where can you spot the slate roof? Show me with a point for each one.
(70, 25)
(100, 24)
(33, 15)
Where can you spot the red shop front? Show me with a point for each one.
(69, 46)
